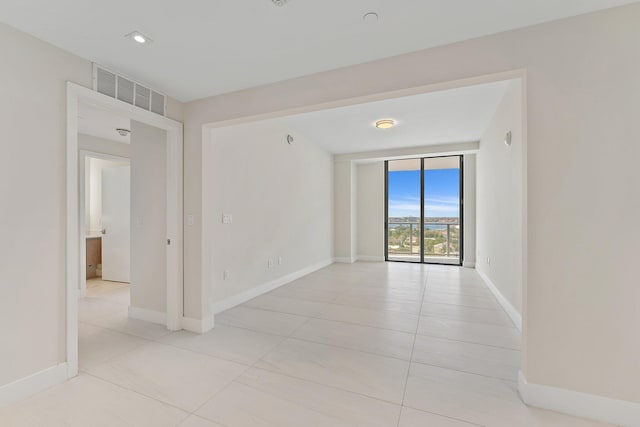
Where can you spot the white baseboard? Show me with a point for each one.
(245, 296)
(618, 412)
(515, 316)
(199, 326)
(344, 260)
(19, 389)
(370, 258)
(148, 315)
(469, 264)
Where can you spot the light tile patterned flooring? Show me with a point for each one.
(368, 344)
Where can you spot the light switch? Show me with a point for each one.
(191, 219)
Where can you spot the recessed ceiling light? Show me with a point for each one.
(138, 37)
(123, 132)
(385, 124)
(279, 3)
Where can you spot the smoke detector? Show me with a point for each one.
(123, 132)
(279, 3)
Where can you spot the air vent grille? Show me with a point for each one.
(107, 82)
(143, 97)
(126, 90)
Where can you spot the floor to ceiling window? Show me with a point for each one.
(424, 210)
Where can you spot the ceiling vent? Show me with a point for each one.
(126, 90)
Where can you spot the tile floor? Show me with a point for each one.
(368, 344)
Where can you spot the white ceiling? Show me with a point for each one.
(450, 116)
(103, 124)
(207, 47)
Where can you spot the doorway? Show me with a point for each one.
(424, 210)
(169, 195)
(105, 188)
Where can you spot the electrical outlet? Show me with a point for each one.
(227, 218)
(270, 263)
(225, 275)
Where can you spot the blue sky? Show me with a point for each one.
(442, 188)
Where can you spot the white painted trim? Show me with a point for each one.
(344, 260)
(515, 316)
(72, 233)
(147, 315)
(175, 285)
(370, 258)
(618, 412)
(199, 326)
(82, 181)
(19, 389)
(245, 296)
(469, 264)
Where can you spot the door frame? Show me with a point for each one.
(174, 191)
(83, 155)
(460, 204)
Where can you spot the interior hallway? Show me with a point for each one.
(368, 344)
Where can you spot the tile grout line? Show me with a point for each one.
(514, 382)
(415, 335)
(409, 370)
(137, 392)
(435, 316)
(468, 342)
(317, 317)
(252, 366)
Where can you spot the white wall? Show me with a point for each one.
(103, 146)
(33, 79)
(280, 197)
(370, 211)
(469, 210)
(343, 214)
(582, 85)
(353, 211)
(499, 199)
(148, 218)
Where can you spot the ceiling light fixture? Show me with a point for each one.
(279, 3)
(370, 17)
(123, 132)
(138, 37)
(385, 124)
